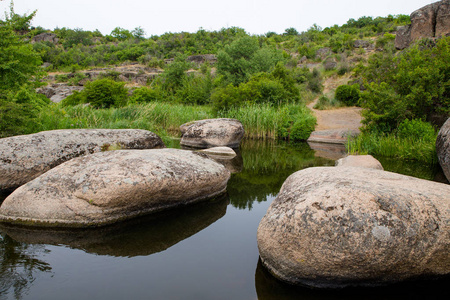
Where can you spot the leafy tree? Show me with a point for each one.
(244, 57)
(75, 37)
(290, 31)
(138, 33)
(19, 74)
(20, 23)
(105, 93)
(121, 34)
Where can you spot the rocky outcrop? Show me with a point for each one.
(25, 157)
(58, 91)
(360, 161)
(45, 37)
(332, 136)
(323, 52)
(336, 227)
(443, 148)
(107, 187)
(200, 59)
(212, 133)
(361, 44)
(429, 21)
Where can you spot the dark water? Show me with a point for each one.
(206, 251)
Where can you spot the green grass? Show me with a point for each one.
(390, 145)
(260, 121)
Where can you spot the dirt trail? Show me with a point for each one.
(344, 118)
(333, 126)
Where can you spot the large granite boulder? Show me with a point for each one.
(443, 148)
(336, 227)
(25, 157)
(360, 161)
(429, 21)
(212, 133)
(107, 187)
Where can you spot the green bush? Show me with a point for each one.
(104, 93)
(195, 89)
(302, 128)
(145, 94)
(347, 94)
(416, 129)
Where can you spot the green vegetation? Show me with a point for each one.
(264, 81)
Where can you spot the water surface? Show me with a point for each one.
(205, 251)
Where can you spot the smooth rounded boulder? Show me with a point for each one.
(25, 157)
(212, 133)
(443, 148)
(334, 227)
(360, 161)
(107, 187)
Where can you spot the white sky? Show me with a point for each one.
(158, 17)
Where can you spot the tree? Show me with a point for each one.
(138, 33)
(121, 34)
(19, 74)
(290, 31)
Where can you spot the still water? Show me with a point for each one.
(206, 251)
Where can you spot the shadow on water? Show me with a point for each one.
(269, 288)
(19, 266)
(266, 165)
(142, 236)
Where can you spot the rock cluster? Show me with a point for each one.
(212, 133)
(346, 226)
(443, 148)
(45, 37)
(427, 22)
(25, 157)
(111, 186)
(58, 91)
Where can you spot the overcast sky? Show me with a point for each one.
(158, 17)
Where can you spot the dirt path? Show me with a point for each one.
(333, 126)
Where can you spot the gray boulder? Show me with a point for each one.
(443, 148)
(212, 133)
(337, 227)
(25, 157)
(361, 44)
(107, 187)
(360, 161)
(442, 27)
(45, 37)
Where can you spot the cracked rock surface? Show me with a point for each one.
(25, 157)
(335, 227)
(107, 187)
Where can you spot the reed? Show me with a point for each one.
(390, 145)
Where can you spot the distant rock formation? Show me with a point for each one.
(45, 37)
(429, 21)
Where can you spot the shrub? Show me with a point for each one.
(104, 93)
(347, 94)
(416, 129)
(145, 94)
(302, 128)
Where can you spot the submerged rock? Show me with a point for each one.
(443, 148)
(25, 157)
(361, 161)
(336, 227)
(219, 151)
(212, 133)
(107, 187)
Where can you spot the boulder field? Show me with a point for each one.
(107, 187)
(25, 157)
(212, 133)
(349, 226)
(443, 148)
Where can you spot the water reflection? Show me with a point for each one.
(269, 288)
(415, 169)
(143, 236)
(266, 167)
(20, 265)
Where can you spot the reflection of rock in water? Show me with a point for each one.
(142, 236)
(234, 164)
(330, 151)
(19, 266)
(268, 287)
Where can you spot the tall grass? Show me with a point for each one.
(390, 145)
(260, 121)
(265, 120)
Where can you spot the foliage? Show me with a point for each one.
(175, 73)
(244, 57)
(325, 103)
(347, 94)
(417, 129)
(145, 94)
(414, 85)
